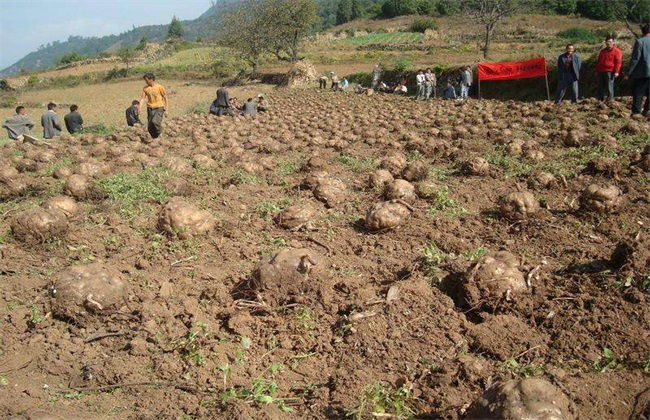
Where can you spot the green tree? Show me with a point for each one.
(243, 30)
(392, 8)
(70, 57)
(175, 30)
(127, 55)
(357, 10)
(288, 21)
(344, 12)
(142, 44)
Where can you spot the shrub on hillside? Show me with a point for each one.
(116, 73)
(392, 8)
(577, 34)
(70, 57)
(422, 24)
(400, 65)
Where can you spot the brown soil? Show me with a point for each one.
(325, 317)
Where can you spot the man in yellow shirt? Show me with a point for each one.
(157, 104)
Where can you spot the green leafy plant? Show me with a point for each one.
(381, 401)
(261, 392)
(190, 346)
(441, 202)
(607, 361)
(577, 34)
(356, 164)
(517, 368)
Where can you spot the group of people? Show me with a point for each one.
(225, 105)
(608, 68)
(20, 124)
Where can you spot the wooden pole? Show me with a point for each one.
(548, 92)
(479, 89)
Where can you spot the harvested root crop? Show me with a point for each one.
(394, 164)
(602, 199)
(518, 205)
(184, 220)
(295, 217)
(542, 181)
(494, 277)
(386, 215)
(379, 179)
(415, 171)
(330, 191)
(63, 203)
(476, 166)
(400, 190)
(39, 225)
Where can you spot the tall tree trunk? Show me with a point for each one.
(294, 46)
(489, 31)
(256, 63)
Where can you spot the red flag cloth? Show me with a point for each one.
(514, 70)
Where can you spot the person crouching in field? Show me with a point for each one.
(157, 104)
(133, 114)
(18, 124)
(50, 122)
(73, 121)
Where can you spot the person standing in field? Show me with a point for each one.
(335, 81)
(133, 114)
(73, 121)
(157, 104)
(608, 67)
(420, 81)
(430, 83)
(376, 76)
(640, 72)
(466, 80)
(50, 122)
(568, 73)
(322, 82)
(18, 124)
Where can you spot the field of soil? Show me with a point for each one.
(338, 255)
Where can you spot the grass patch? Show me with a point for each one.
(357, 164)
(131, 189)
(381, 401)
(442, 203)
(386, 38)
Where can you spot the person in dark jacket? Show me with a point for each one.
(132, 114)
(50, 122)
(568, 73)
(73, 121)
(221, 105)
(640, 72)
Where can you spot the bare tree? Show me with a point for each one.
(243, 30)
(289, 21)
(489, 13)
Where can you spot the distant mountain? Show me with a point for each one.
(46, 56)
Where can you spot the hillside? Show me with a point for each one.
(46, 57)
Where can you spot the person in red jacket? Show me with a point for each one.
(608, 67)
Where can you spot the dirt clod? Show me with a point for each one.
(295, 217)
(530, 398)
(290, 275)
(82, 291)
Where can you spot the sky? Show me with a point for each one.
(27, 24)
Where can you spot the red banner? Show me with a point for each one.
(514, 70)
